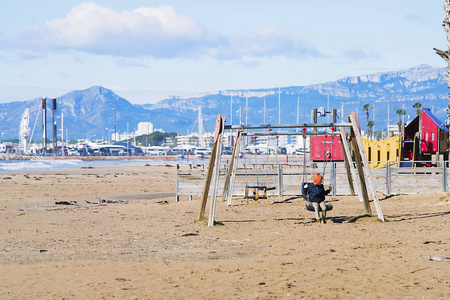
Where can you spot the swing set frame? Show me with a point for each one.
(356, 162)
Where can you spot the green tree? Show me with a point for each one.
(366, 108)
(400, 112)
(370, 126)
(155, 139)
(417, 106)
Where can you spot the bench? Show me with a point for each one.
(256, 189)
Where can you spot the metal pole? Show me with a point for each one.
(444, 176)
(279, 106)
(298, 105)
(264, 111)
(231, 111)
(62, 135)
(115, 121)
(328, 108)
(44, 123)
(333, 178)
(280, 180)
(54, 126)
(388, 178)
(286, 126)
(246, 110)
(240, 114)
(315, 118)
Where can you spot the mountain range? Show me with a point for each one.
(94, 111)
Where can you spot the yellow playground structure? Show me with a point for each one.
(382, 151)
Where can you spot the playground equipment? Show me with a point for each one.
(357, 165)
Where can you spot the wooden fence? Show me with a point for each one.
(286, 178)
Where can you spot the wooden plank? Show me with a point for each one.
(362, 179)
(208, 181)
(346, 147)
(232, 166)
(366, 167)
(347, 162)
(219, 142)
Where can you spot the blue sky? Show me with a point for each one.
(148, 50)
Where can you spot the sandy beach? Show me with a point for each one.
(126, 237)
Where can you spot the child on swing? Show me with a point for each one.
(317, 195)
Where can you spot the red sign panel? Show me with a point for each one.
(326, 148)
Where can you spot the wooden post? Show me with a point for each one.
(362, 180)
(444, 176)
(347, 165)
(208, 181)
(210, 168)
(177, 197)
(218, 141)
(351, 172)
(388, 178)
(280, 180)
(315, 118)
(366, 167)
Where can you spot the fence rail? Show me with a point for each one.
(286, 178)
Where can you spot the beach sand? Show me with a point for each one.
(145, 245)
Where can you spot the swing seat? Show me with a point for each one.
(256, 189)
(310, 207)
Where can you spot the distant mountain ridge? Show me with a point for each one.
(93, 111)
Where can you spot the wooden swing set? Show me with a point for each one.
(358, 172)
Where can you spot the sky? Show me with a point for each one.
(146, 51)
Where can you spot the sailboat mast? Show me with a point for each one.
(200, 126)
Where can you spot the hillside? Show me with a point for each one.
(92, 112)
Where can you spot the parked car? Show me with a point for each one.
(115, 152)
(102, 152)
(137, 151)
(153, 152)
(126, 152)
(300, 151)
(177, 151)
(227, 150)
(72, 152)
(66, 152)
(85, 152)
(201, 152)
(82, 152)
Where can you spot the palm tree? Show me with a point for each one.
(366, 108)
(370, 126)
(400, 112)
(417, 106)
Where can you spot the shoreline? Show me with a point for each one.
(9, 157)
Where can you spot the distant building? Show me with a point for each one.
(144, 128)
(392, 130)
(194, 139)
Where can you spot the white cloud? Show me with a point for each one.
(131, 62)
(266, 42)
(149, 32)
(358, 54)
(415, 18)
